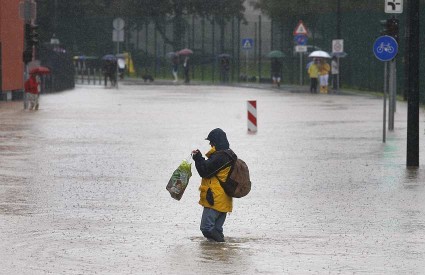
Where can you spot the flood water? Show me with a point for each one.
(82, 184)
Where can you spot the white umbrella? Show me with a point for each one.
(320, 54)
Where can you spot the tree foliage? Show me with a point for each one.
(279, 9)
(85, 24)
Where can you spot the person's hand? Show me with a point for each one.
(195, 153)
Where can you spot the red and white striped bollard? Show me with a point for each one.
(252, 116)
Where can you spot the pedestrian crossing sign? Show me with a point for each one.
(247, 43)
(300, 29)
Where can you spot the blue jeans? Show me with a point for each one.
(212, 224)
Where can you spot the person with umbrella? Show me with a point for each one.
(313, 72)
(32, 90)
(186, 66)
(276, 71)
(276, 66)
(175, 63)
(324, 69)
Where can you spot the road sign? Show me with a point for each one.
(118, 35)
(27, 10)
(300, 29)
(385, 48)
(300, 39)
(300, 49)
(338, 46)
(393, 6)
(118, 24)
(247, 43)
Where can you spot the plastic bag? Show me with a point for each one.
(179, 180)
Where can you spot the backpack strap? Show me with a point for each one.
(227, 164)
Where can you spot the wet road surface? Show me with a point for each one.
(82, 184)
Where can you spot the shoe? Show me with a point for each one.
(36, 106)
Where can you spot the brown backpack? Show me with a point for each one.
(237, 184)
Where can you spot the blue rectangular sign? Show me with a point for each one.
(247, 43)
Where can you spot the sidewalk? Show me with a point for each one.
(253, 85)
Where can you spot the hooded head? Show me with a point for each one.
(218, 138)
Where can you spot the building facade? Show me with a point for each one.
(11, 48)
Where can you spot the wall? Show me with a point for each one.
(11, 38)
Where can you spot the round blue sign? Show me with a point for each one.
(385, 48)
(300, 39)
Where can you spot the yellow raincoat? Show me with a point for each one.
(222, 202)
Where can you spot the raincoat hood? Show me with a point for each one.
(218, 139)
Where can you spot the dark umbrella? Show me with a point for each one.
(222, 55)
(40, 70)
(185, 52)
(276, 54)
(110, 57)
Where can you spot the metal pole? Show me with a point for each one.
(301, 69)
(412, 159)
(392, 97)
(259, 48)
(395, 85)
(384, 132)
(246, 65)
(337, 76)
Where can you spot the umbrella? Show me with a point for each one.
(110, 57)
(185, 51)
(320, 54)
(343, 54)
(276, 54)
(84, 57)
(224, 55)
(40, 70)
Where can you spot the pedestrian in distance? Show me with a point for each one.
(334, 72)
(213, 198)
(109, 72)
(32, 90)
(175, 67)
(224, 69)
(186, 66)
(324, 69)
(276, 71)
(313, 72)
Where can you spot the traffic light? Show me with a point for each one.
(31, 35)
(383, 23)
(34, 35)
(27, 55)
(393, 27)
(28, 35)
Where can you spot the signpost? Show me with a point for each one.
(247, 44)
(300, 39)
(385, 49)
(337, 48)
(393, 6)
(118, 36)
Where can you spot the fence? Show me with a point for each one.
(359, 70)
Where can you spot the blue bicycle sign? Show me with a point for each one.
(385, 48)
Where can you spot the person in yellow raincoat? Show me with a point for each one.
(324, 69)
(215, 201)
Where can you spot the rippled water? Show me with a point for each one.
(82, 184)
